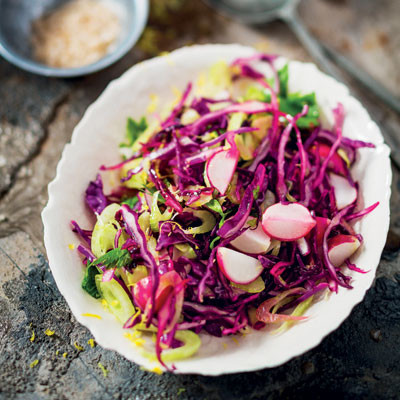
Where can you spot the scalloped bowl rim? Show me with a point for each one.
(260, 350)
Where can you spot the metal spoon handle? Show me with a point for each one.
(365, 79)
(289, 15)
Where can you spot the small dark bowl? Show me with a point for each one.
(16, 17)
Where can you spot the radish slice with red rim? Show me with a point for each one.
(342, 247)
(237, 267)
(252, 241)
(220, 169)
(287, 222)
(345, 193)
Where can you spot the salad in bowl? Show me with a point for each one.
(229, 214)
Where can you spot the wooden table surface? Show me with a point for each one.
(37, 115)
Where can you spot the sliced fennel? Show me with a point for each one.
(137, 181)
(130, 278)
(191, 343)
(156, 216)
(186, 250)
(117, 299)
(256, 286)
(208, 222)
(104, 231)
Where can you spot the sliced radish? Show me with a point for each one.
(341, 247)
(287, 222)
(252, 241)
(303, 246)
(221, 167)
(345, 194)
(336, 163)
(142, 289)
(142, 292)
(237, 267)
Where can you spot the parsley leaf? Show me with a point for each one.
(256, 192)
(134, 130)
(283, 75)
(294, 103)
(115, 258)
(88, 282)
(212, 244)
(131, 201)
(215, 206)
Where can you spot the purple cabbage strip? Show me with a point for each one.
(281, 187)
(171, 233)
(132, 227)
(121, 164)
(170, 200)
(235, 223)
(86, 252)
(94, 196)
(249, 107)
(360, 214)
(178, 108)
(222, 137)
(86, 235)
(331, 268)
(339, 119)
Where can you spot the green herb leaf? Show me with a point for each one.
(131, 201)
(294, 103)
(256, 93)
(134, 130)
(256, 191)
(252, 223)
(215, 206)
(212, 244)
(115, 258)
(283, 75)
(88, 282)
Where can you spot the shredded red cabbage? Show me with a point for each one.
(286, 161)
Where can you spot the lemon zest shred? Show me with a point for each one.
(91, 315)
(78, 347)
(49, 332)
(104, 304)
(225, 345)
(32, 338)
(235, 340)
(139, 342)
(168, 59)
(71, 246)
(157, 370)
(103, 369)
(91, 343)
(34, 363)
(134, 336)
(152, 107)
(201, 81)
(57, 352)
(176, 92)
(65, 355)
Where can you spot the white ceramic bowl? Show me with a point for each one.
(94, 142)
